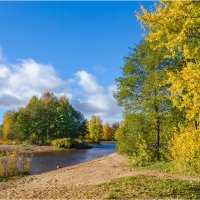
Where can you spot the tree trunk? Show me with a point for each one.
(158, 139)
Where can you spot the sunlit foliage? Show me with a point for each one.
(44, 119)
(161, 80)
(95, 129)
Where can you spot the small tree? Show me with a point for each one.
(107, 132)
(95, 129)
(8, 128)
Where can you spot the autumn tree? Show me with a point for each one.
(115, 126)
(1, 131)
(95, 129)
(175, 27)
(141, 90)
(8, 125)
(107, 132)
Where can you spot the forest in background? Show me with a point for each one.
(49, 118)
(160, 89)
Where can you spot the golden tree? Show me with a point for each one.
(175, 27)
(107, 132)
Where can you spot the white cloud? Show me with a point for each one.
(88, 82)
(20, 81)
(97, 100)
(4, 72)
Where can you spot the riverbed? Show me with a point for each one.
(47, 161)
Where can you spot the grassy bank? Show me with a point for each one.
(146, 187)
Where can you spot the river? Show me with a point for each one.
(44, 162)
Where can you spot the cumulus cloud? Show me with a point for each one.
(88, 82)
(20, 81)
(96, 99)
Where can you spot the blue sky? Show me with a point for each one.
(72, 44)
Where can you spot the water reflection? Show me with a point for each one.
(43, 162)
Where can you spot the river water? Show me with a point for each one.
(43, 162)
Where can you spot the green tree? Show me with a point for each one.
(44, 119)
(141, 90)
(69, 122)
(134, 133)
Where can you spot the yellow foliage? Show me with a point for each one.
(8, 142)
(185, 90)
(13, 163)
(95, 129)
(107, 132)
(185, 150)
(174, 26)
(7, 124)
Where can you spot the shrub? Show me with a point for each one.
(13, 163)
(185, 150)
(8, 142)
(63, 143)
(33, 138)
(141, 156)
(132, 137)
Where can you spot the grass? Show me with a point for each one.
(167, 167)
(146, 187)
(12, 177)
(159, 165)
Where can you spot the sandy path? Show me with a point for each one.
(71, 182)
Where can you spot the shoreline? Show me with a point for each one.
(74, 182)
(29, 148)
(32, 148)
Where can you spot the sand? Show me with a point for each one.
(72, 182)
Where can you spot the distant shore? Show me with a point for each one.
(39, 148)
(29, 148)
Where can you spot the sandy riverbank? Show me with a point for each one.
(73, 182)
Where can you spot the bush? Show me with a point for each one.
(8, 142)
(33, 138)
(13, 163)
(63, 143)
(132, 137)
(141, 156)
(185, 150)
(79, 144)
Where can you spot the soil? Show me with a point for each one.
(74, 182)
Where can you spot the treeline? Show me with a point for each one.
(48, 118)
(96, 131)
(43, 120)
(160, 89)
